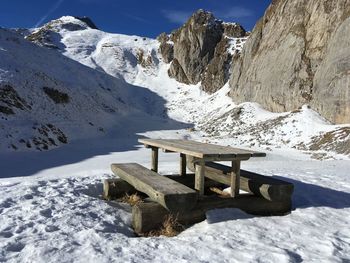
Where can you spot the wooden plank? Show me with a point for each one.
(149, 216)
(266, 186)
(235, 178)
(199, 177)
(224, 150)
(154, 159)
(182, 164)
(201, 150)
(114, 188)
(170, 194)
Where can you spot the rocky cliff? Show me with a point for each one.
(202, 50)
(298, 53)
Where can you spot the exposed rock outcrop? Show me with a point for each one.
(166, 47)
(217, 72)
(200, 50)
(298, 53)
(194, 45)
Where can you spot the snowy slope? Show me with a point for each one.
(47, 99)
(136, 59)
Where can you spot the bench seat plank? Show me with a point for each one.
(170, 194)
(268, 187)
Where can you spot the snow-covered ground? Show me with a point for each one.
(55, 213)
(50, 205)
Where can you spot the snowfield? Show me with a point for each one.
(57, 215)
(50, 204)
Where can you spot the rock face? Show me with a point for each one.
(298, 53)
(217, 72)
(166, 47)
(199, 50)
(194, 45)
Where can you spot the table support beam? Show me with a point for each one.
(235, 177)
(182, 164)
(199, 177)
(154, 159)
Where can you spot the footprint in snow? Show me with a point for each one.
(7, 203)
(24, 227)
(27, 197)
(50, 229)
(6, 234)
(46, 212)
(14, 247)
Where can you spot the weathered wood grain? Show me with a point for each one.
(149, 216)
(170, 194)
(201, 150)
(114, 188)
(235, 177)
(182, 164)
(268, 187)
(154, 159)
(199, 177)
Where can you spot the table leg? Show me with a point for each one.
(199, 177)
(154, 159)
(182, 164)
(235, 177)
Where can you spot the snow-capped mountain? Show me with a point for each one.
(47, 99)
(75, 81)
(70, 83)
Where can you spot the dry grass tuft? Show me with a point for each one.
(132, 200)
(170, 228)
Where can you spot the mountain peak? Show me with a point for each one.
(203, 17)
(88, 21)
(70, 23)
(47, 34)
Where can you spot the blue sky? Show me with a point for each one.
(139, 17)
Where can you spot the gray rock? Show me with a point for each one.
(199, 50)
(298, 53)
(217, 72)
(166, 47)
(194, 46)
(234, 30)
(176, 70)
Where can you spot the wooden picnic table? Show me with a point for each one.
(202, 153)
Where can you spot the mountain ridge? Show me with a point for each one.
(134, 69)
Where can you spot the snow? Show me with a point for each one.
(56, 214)
(236, 44)
(50, 203)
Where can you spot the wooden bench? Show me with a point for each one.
(270, 188)
(172, 195)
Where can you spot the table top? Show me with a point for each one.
(201, 150)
